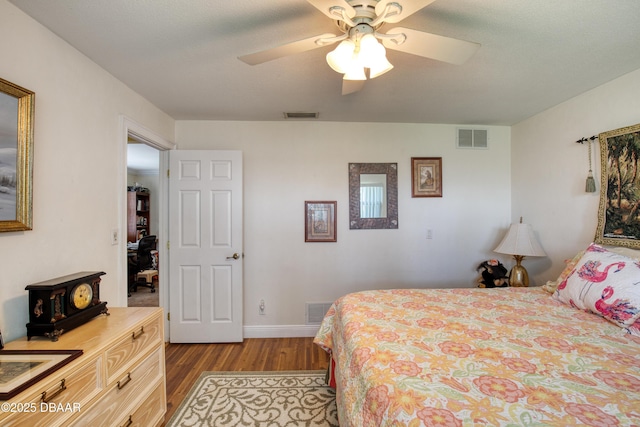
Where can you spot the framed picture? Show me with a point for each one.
(19, 369)
(619, 210)
(16, 156)
(426, 177)
(320, 222)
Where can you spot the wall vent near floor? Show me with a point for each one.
(315, 311)
(473, 138)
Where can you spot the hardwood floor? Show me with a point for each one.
(185, 362)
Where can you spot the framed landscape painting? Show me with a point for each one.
(619, 210)
(16, 156)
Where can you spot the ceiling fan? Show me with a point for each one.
(359, 49)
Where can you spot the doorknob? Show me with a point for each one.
(234, 256)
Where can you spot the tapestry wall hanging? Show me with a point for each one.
(619, 209)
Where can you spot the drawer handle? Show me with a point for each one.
(124, 382)
(47, 399)
(128, 423)
(139, 334)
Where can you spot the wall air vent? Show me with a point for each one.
(473, 138)
(301, 115)
(314, 312)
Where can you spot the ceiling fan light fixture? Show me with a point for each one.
(380, 68)
(369, 52)
(351, 58)
(355, 72)
(373, 55)
(341, 58)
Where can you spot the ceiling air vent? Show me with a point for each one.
(301, 115)
(473, 138)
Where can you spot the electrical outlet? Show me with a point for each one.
(261, 308)
(115, 236)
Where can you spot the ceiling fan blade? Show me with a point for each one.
(431, 46)
(325, 6)
(351, 86)
(285, 50)
(408, 7)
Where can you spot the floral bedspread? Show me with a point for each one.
(463, 357)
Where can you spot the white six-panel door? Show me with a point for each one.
(205, 246)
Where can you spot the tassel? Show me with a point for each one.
(590, 187)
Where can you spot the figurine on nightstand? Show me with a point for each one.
(494, 274)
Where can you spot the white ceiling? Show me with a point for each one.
(142, 159)
(182, 56)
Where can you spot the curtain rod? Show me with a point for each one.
(583, 140)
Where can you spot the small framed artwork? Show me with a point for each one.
(16, 156)
(19, 369)
(426, 177)
(320, 221)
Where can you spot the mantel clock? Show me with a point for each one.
(61, 304)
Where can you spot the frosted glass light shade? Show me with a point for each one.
(355, 72)
(342, 56)
(380, 68)
(351, 58)
(369, 53)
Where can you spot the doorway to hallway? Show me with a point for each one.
(131, 131)
(143, 190)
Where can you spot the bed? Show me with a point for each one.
(503, 356)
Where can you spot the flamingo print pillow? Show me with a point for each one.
(604, 283)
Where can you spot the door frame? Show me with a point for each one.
(131, 129)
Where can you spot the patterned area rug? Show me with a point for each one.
(289, 398)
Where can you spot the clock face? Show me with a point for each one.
(81, 296)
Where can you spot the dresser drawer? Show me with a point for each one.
(59, 398)
(122, 396)
(135, 344)
(150, 413)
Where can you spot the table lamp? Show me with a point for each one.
(520, 242)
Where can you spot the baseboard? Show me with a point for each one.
(280, 331)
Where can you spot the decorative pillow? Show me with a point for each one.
(621, 250)
(551, 286)
(604, 283)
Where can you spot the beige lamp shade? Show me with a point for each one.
(520, 240)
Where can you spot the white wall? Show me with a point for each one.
(550, 169)
(78, 158)
(287, 163)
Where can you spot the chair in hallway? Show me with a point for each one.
(141, 271)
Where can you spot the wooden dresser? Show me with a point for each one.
(119, 380)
